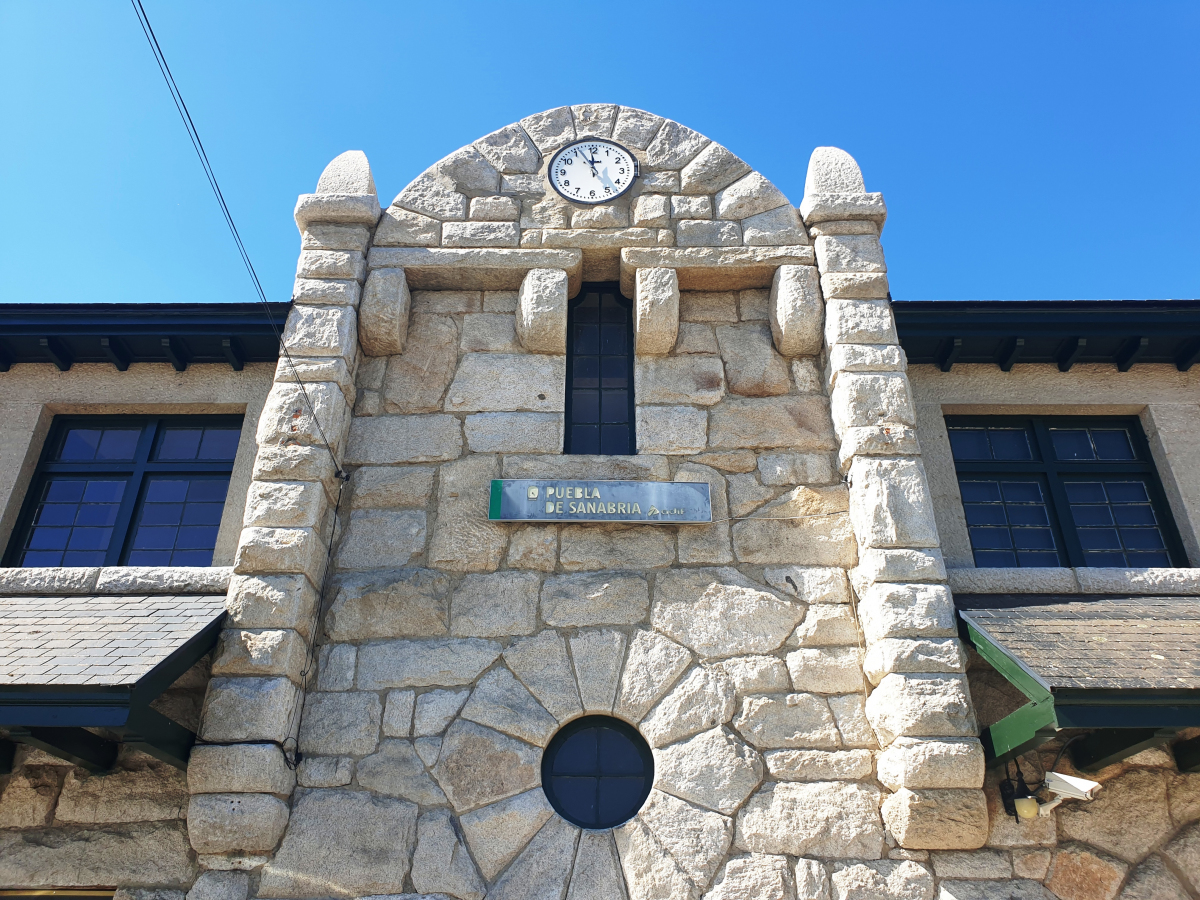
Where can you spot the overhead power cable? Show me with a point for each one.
(198, 146)
(289, 747)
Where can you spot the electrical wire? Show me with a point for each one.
(197, 145)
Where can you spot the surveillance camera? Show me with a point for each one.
(1071, 786)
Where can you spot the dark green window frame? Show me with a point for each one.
(1054, 474)
(137, 473)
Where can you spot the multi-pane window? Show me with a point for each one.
(1061, 491)
(128, 491)
(599, 409)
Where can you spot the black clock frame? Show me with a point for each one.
(637, 171)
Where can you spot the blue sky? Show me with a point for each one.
(1025, 150)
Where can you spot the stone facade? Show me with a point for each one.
(394, 663)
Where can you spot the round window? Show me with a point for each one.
(597, 772)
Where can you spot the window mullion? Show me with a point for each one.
(133, 490)
(1061, 506)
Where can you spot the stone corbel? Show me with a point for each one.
(656, 311)
(796, 311)
(383, 313)
(542, 311)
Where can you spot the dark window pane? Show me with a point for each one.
(65, 491)
(203, 513)
(1085, 492)
(1071, 443)
(995, 559)
(162, 490)
(80, 558)
(42, 558)
(614, 406)
(49, 538)
(1107, 560)
(1112, 444)
(578, 755)
(1089, 516)
(154, 537)
(1126, 492)
(152, 558)
(616, 372)
(612, 311)
(617, 755)
(1099, 539)
(118, 443)
(1130, 514)
(89, 538)
(103, 492)
(587, 338)
(980, 491)
(969, 443)
(1022, 492)
(1141, 539)
(585, 439)
(162, 513)
(207, 490)
(985, 514)
(615, 440)
(58, 514)
(1148, 560)
(219, 444)
(585, 406)
(586, 372)
(990, 538)
(1033, 539)
(1027, 514)
(1010, 443)
(619, 797)
(190, 558)
(588, 309)
(179, 443)
(80, 444)
(97, 514)
(196, 537)
(612, 339)
(1031, 559)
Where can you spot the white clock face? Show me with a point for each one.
(593, 171)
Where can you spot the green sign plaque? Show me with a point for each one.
(646, 502)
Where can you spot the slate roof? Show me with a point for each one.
(96, 640)
(1100, 643)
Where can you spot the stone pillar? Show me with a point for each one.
(920, 707)
(239, 774)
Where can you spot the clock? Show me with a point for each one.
(593, 171)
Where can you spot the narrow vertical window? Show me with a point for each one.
(600, 372)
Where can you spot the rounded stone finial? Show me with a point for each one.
(349, 173)
(833, 171)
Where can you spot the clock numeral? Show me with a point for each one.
(622, 171)
(593, 193)
(607, 190)
(569, 160)
(566, 184)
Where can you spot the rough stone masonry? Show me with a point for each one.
(794, 665)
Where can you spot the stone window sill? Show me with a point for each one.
(66, 581)
(1178, 582)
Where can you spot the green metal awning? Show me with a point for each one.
(1127, 668)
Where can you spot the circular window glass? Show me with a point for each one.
(597, 772)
